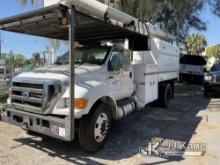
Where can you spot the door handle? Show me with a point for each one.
(111, 77)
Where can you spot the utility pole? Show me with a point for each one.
(11, 61)
(71, 17)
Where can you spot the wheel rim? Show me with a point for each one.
(101, 127)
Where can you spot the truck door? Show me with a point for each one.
(127, 75)
(120, 73)
(115, 65)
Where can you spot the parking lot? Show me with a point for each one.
(191, 118)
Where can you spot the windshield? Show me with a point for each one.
(93, 56)
(215, 68)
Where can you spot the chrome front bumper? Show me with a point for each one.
(55, 127)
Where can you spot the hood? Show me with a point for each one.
(45, 78)
(58, 72)
(64, 69)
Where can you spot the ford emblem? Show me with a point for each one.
(25, 94)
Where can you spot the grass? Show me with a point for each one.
(3, 101)
(182, 88)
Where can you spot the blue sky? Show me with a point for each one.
(212, 33)
(19, 43)
(26, 45)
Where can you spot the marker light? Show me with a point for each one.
(80, 103)
(64, 20)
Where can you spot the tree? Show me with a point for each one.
(195, 44)
(213, 51)
(215, 6)
(173, 16)
(19, 60)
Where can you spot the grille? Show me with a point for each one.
(28, 97)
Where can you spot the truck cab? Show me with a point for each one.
(103, 76)
(100, 71)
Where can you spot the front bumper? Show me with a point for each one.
(55, 127)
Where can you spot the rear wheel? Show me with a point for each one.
(165, 95)
(94, 128)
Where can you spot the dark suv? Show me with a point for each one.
(212, 79)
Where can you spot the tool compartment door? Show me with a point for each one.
(147, 84)
(151, 82)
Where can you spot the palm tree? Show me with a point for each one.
(195, 44)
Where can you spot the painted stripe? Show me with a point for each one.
(153, 73)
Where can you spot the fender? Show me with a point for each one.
(92, 90)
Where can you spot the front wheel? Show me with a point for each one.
(94, 128)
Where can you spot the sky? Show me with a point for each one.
(26, 45)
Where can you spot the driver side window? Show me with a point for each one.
(116, 61)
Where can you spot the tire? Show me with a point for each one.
(165, 95)
(206, 91)
(94, 128)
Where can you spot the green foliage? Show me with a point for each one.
(213, 51)
(19, 60)
(2, 101)
(173, 16)
(215, 6)
(195, 44)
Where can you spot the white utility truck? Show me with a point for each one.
(94, 83)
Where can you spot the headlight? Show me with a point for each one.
(208, 78)
(78, 103)
(63, 103)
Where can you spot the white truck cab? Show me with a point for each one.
(100, 72)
